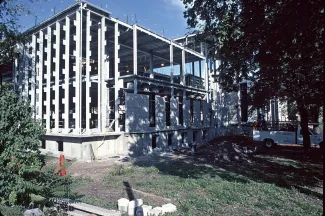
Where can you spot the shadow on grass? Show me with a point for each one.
(285, 167)
(187, 168)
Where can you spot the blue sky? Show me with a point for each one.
(161, 16)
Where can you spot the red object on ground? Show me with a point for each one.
(63, 172)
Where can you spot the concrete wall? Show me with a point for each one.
(206, 114)
(139, 135)
(186, 113)
(160, 113)
(228, 111)
(173, 113)
(136, 112)
(196, 114)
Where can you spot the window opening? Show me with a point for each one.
(60, 146)
(180, 108)
(167, 110)
(152, 110)
(154, 141)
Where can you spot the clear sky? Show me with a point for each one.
(164, 17)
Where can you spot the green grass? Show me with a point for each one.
(198, 189)
(273, 183)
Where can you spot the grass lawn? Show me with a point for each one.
(270, 185)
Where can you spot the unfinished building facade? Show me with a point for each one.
(102, 87)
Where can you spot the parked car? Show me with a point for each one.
(272, 137)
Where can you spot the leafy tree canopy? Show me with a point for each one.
(22, 170)
(20, 161)
(10, 11)
(277, 45)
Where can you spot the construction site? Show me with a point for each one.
(102, 87)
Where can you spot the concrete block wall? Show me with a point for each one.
(72, 149)
(228, 111)
(160, 113)
(136, 112)
(198, 135)
(173, 113)
(162, 141)
(139, 144)
(206, 114)
(186, 113)
(196, 114)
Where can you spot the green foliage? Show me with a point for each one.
(10, 10)
(20, 162)
(276, 45)
(12, 210)
(22, 170)
(120, 169)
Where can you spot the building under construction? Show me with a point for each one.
(102, 87)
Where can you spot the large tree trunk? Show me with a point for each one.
(304, 126)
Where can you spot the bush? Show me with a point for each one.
(11, 211)
(120, 169)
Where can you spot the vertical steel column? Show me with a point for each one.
(77, 69)
(135, 58)
(151, 64)
(117, 74)
(26, 70)
(56, 60)
(88, 69)
(171, 55)
(207, 89)
(39, 75)
(182, 81)
(99, 84)
(15, 73)
(20, 71)
(66, 70)
(33, 76)
(103, 75)
(239, 106)
(48, 79)
(201, 48)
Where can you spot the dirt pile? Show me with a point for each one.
(227, 149)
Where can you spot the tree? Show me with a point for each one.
(10, 11)
(20, 161)
(277, 45)
(22, 170)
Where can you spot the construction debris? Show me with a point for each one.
(168, 208)
(155, 211)
(123, 204)
(133, 205)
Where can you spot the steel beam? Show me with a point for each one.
(66, 70)
(33, 76)
(104, 71)
(171, 53)
(56, 60)
(116, 74)
(77, 69)
(182, 75)
(88, 69)
(48, 79)
(135, 58)
(39, 76)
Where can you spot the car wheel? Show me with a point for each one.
(268, 143)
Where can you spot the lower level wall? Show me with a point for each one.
(101, 147)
